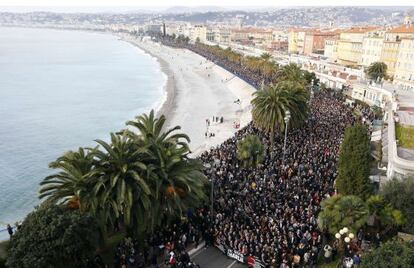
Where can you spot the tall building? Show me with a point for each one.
(404, 70)
(252, 36)
(296, 40)
(398, 53)
(331, 49)
(350, 45)
(198, 33)
(372, 46)
(308, 41)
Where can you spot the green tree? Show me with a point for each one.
(177, 182)
(271, 103)
(354, 160)
(342, 211)
(121, 187)
(292, 72)
(309, 77)
(384, 215)
(250, 151)
(265, 56)
(70, 185)
(390, 254)
(399, 193)
(376, 71)
(53, 236)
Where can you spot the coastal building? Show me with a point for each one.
(219, 35)
(278, 46)
(222, 35)
(404, 70)
(308, 41)
(296, 40)
(315, 41)
(252, 36)
(389, 53)
(239, 35)
(331, 49)
(198, 33)
(398, 53)
(371, 94)
(153, 28)
(174, 29)
(372, 46)
(350, 45)
(279, 35)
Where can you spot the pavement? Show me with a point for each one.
(211, 257)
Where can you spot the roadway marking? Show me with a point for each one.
(198, 252)
(231, 264)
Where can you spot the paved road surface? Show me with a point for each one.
(213, 258)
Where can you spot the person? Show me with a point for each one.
(356, 260)
(172, 261)
(9, 230)
(328, 253)
(184, 258)
(348, 262)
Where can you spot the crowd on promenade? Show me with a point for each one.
(167, 247)
(252, 76)
(270, 211)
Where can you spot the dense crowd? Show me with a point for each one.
(270, 212)
(252, 76)
(167, 247)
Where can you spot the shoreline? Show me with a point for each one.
(195, 90)
(185, 74)
(166, 105)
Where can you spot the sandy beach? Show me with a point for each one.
(197, 90)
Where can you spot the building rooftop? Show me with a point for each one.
(252, 30)
(361, 29)
(403, 29)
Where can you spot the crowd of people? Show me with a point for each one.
(167, 247)
(252, 76)
(270, 212)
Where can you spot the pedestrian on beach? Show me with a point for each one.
(9, 230)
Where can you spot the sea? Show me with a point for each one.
(61, 90)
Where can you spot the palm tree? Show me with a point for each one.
(121, 187)
(376, 71)
(383, 214)
(292, 72)
(342, 211)
(151, 131)
(177, 182)
(265, 56)
(271, 104)
(71, 184)
(250, 151)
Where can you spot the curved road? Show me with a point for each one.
(211, 257)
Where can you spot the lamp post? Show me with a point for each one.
(287, 118)
(344, 236)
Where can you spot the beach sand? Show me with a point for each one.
(197, 90)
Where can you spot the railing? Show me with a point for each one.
(396, 163)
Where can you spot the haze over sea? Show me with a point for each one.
(60, 90)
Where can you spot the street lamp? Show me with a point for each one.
(287, 118)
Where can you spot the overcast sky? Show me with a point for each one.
(162, 4)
